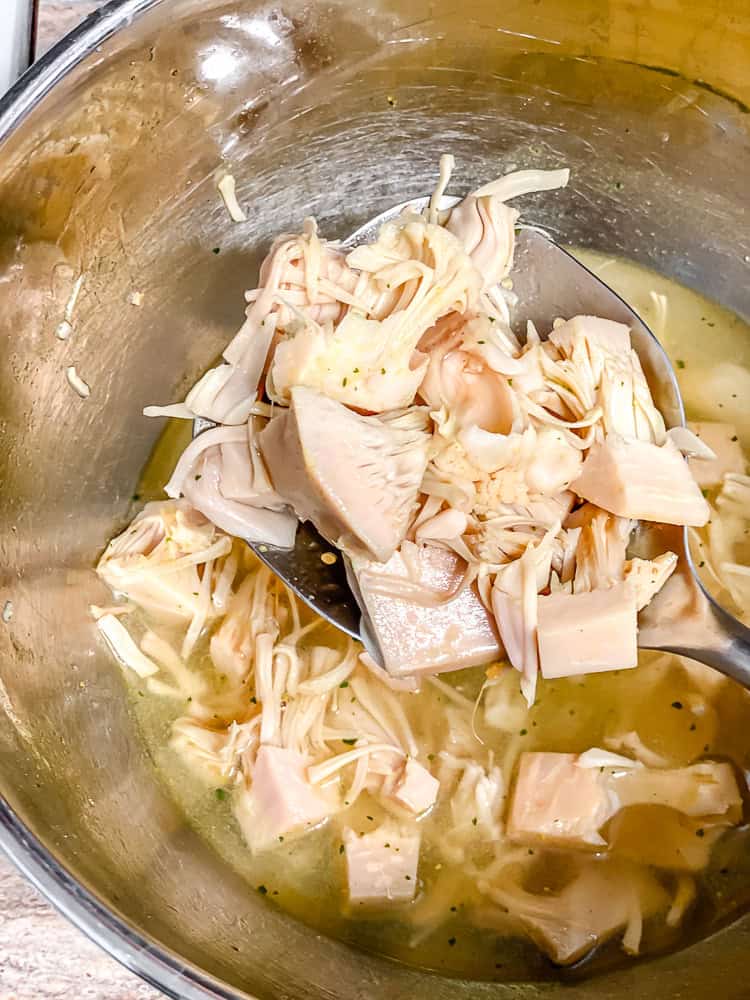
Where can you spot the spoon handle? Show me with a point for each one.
(726, 647)
(687, 622)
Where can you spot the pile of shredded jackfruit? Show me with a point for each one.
(382, 394)
(483, 488)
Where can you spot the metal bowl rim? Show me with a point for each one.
(152, 961)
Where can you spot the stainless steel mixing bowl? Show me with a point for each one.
(107, 169)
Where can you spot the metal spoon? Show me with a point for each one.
(683, 618)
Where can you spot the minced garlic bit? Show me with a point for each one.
(98, 612)
(7, 613)
(661, 310)
(135, 298)
(228, 191)
(64, 328)
(76, 382)
(73, 299)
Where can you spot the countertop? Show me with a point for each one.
(42, 956)
(57, 17)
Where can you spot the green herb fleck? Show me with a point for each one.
(253, 700)
(524, 732)
(451, 941)
(382, 371)
(341, 848)
(430, 756)
(676, 704)
(680, 363)
(350, 743)
(474, 821)
(216, 250)
(700, 832)
(344, 380)
(220, 793)
(734, 438)
(344, 684)
(262, 890)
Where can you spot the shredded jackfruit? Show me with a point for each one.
(422, 315)
(473, 440)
